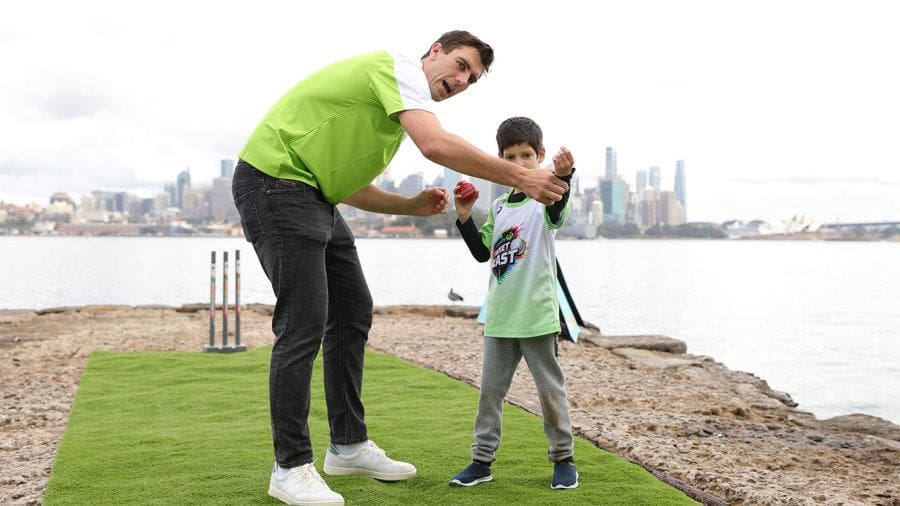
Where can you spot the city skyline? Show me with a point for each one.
(797, 122)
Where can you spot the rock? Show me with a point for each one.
(55, 310)
(864, 424)
(643, 342)
(193, 308)
(267, 309)
(462, 311)
(654, 359)
(738, 408)
(16, 315)
(95, 309)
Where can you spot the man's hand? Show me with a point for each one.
(563, 161)
(429, 201)
(542, 185)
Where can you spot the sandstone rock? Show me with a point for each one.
(865, 424)
(656, 360)
(98, 308)
(16, 315)
(644, 342)
(56, 310)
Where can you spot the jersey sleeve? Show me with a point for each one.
(402, 86)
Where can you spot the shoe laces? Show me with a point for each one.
(374, 448)
(307, 476)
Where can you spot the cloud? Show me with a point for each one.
(71, 103)
(815, 180)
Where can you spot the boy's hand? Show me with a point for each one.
(563, 161)
(429, 201)
(464, 196)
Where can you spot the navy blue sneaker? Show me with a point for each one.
(472, 475)
(564, 475)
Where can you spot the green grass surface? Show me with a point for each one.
(193, 428)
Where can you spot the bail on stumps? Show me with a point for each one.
(225, 347)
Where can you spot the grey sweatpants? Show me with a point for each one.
(501, 357)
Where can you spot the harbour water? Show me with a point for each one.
(819, 320)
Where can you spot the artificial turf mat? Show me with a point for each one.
(193, 428)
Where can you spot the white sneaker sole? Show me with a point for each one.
(564, 487)
(457, 483)
(281, 496)
(348, 471)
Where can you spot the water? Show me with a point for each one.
(819, 320)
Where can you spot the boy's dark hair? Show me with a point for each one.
(459, 38)
(518, 130)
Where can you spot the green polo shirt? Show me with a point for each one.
(338, 129)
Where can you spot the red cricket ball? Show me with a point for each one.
(466, 191)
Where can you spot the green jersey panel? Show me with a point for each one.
(338, 129)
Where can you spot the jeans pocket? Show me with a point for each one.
(299, 212)
(247, 207)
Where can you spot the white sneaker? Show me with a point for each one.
(302, 485)
(369, 461)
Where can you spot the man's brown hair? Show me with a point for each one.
(460, 38)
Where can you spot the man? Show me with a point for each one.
(323, 143)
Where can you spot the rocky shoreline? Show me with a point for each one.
(722, 436)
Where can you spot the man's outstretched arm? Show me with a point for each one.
(453, 151)
(375, 200)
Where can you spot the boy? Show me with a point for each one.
(522, 308)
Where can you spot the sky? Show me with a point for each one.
(776, 107)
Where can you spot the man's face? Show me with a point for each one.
(451, 73)
(523, 155)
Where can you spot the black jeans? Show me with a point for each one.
(322, 299)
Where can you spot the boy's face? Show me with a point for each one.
(524, 155)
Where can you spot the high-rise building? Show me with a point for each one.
(148, 205)
(170, 189)
(227, 165)
(448, 181)
(649, 209)
(497, 190)
(641, 182)
(484, 193)
(88, 202)
(680, 189)
(451, 177)
(385, 182)
(596, 217)
(196, 204)
(611, 170)
(221, 201)
(122, 202)
(655, 178)
(163, 200)
(670, 211)
(614, 195)
(411, 184)
(182, 183)
(106, 201)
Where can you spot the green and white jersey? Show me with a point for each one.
(338, 129)
(521, 298)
